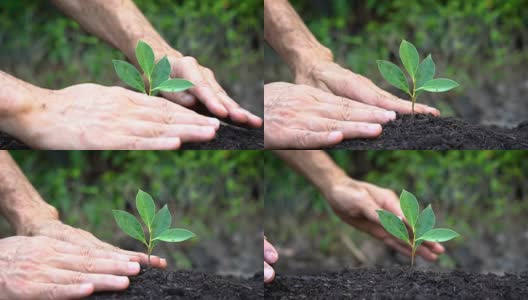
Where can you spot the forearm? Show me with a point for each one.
(20, 203)
(118, 22)
(314, 165)
(285, 31)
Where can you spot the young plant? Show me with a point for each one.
(157, 75)
(157, 224)
(421, 74)
(421, 225)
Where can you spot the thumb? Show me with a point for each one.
(182, 98)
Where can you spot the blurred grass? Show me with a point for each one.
(210, 192)
(41, 45)
(477, 193)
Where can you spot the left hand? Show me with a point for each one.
(57, 230)
(206, 90)
(356, 202)
(331, 77)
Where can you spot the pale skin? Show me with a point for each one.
(312, 64)
(51, 260)
(89, 116)
(354, 202)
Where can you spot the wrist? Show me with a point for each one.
(29, 223)
(15, 102)
(304, 63)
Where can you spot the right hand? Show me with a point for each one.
(270, 257)
(45, 268)
(300, 116)
(90, 116)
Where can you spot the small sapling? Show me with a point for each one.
(157, 224)
(157, 75)
(421, 74)
(420, 224)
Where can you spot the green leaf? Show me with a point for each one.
(162, 222)
(146, 207)
(174, 85)
(426, 71)
(409, 57)
(425, 222)
(393, 225)
(439, 235)
(129, 224)
(160, 73)
(410, 207)
(145, 57)
(175, 235)
(393, 74)
(129, 74)
(439, 85)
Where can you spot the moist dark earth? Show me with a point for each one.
(426, 132)
(159, 284)
(227, 137)
(399, 283)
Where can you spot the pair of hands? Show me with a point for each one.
(356, 202)
(327, 104)
(90, 116)
(61, 262)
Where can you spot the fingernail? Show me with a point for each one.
(120, 280)
(390, 115)
(335, 136)
(373, 128)
(163, 260)
(85, 288)
(207, 130)
(270, 255)
(268, 272)
(123, 257)
(133, 267)
(187, 98)
(213, 121)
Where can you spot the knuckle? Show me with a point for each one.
(88, 265)
(303, 139)
(52, 292)
(331, 125)
(134, 144)
(346, 110)
(77, 278)
(189, 60)
(168, 118)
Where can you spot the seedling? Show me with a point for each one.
(157, 75)
(421, 226)
(421, 74)
(157, 224)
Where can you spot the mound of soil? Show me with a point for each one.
(398, 283)
(228, 137)
(426, 132)
(160, 284)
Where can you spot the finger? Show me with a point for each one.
(183, 98)
(269, 273)
(344, 102)
(179, 117)
(253, 120)
(355, 114)
(304, 139)
(404, 249)
(270, 254)
(349, 129)
(142, 258)
(436, 248)
(426, 253)
(95, 265)
(235, 112)
(66, 248)
(100, 282)
(187, 133)
(57, 291)
(122, 142)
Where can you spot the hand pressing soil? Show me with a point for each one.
(426, 132)
(158, 284)
(398, 283)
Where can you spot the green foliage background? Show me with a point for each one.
(476, 193)
(41, 45)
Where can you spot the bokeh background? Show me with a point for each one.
(482, 44)
(216, 194)
(42, 46)
(483, 195)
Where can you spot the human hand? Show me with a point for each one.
(206, 90)
(333, 78)
(55, 229)
(45, 268)
(356, 202)
(300, 116)
(90, 116)
(270, 257)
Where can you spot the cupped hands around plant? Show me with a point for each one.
(421, 74)
(157, 224)
(420, 224)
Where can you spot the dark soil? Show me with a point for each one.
(398, 283)
(159, 284)
(426, 132)
(227, 137)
